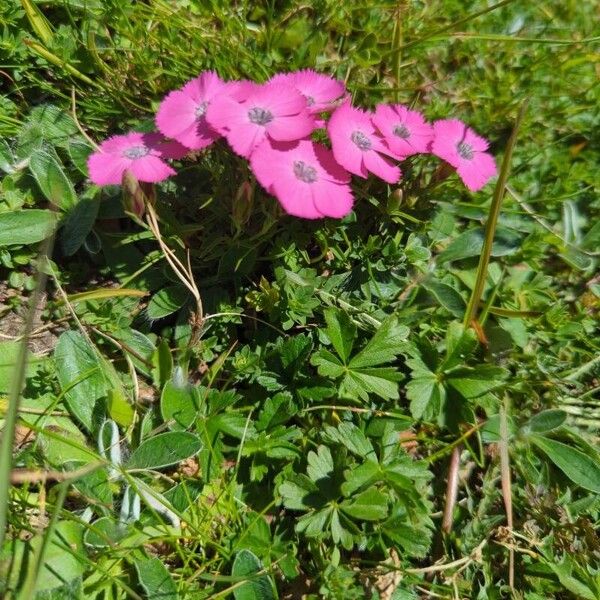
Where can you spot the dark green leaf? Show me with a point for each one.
(258, 587)
(156, 579)
(26, 226)
(49, 174)
(547, 420)
(178, 405)
(341, 331)
(577, 466)
(167, 301)
(447, 297)
(470, 243)
(80, 374)
(77, 224)
(164, 450)
(370, 505)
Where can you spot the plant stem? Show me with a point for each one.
(490, 226)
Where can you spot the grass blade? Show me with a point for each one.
(10, 418)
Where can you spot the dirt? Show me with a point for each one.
(12, 321)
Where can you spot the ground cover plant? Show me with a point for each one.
(216, 381)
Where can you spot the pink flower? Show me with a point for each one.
(357, 146)
(320, 91)
(274, 111)
(141, 153)
(405, 131)
(181, 115)
(304, 177)
(460, 146)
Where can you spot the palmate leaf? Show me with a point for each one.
(363, 374)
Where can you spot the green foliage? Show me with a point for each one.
(292, 440)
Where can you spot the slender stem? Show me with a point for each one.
(451, 490)
(28, 589)
(506, 488)
(10, 418)
(490, 226)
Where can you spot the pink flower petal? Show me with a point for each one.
(477, 172)
(332, 170)
(405, 131)
(245, 138)
(172, 149)
(333, 200)
(151, 169)
(290, 128)
(224, 113)
(381, 167)
(106, 169)
(281, 99)
(177, 118)
(118, 143)
(297, 200)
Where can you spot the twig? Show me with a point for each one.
(506, 488)
(451, 490)
(18, 476)
(474, 556)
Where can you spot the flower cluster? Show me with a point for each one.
(271, 125)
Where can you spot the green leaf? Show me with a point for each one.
(547, 420)
(370, 505)
(460, 344)
(62, 564)
(352, 437)
(425, 393)
(447, 297)
(119, 408)
(470, 243)
(577, 466)
(327, 364)
(105, 532)
(477, 381)
(341, 331)
(384, 346)
(162, 364)
(167, 301)
(26, 226)
(295, 490)
(77, 224)
(80, 375)
(178, 405)
(156, 579)
(49, 174)
(339, 533)
(357, 477)
(164, 450)
(320, 463)
(56, 125)
(7, 158)
(276, 410)
(564, 571)
(383, 382)
(245, 566)
(9, 354)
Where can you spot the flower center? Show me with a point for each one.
(310, 100)
(465, 150)
(201, 109)
(361, 140)
(136, 152)
(260, 116)
(304, 172)
(401, 131)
